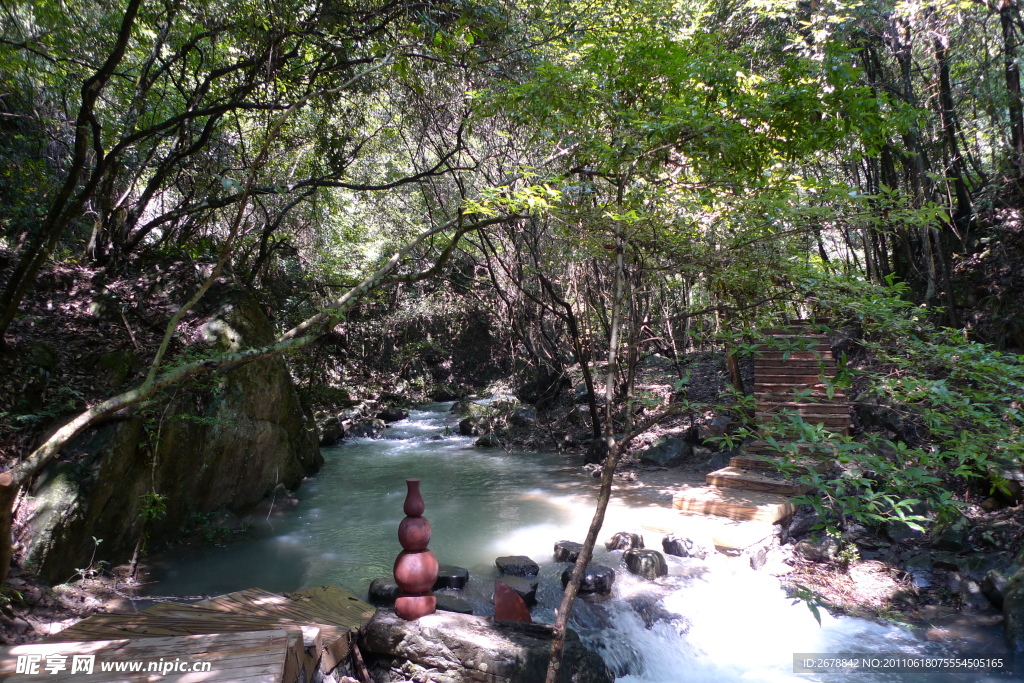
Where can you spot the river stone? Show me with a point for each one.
(450, 603)
(383, 592)
(445, 647)
(567, 551)
(597, 579)
(517, 565)
(370, 428)
(525, 588)
(392, 414)
(330, 430)
(994, 587)
(488, 441)
(901, 532)
(687, 546)
(650, 564)
(668, 451)
(450, 576)
(624, 540)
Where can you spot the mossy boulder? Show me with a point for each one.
(223, 441)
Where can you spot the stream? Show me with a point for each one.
(715, 620)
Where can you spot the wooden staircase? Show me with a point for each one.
(251, 636)
(789, 379)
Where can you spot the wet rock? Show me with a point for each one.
(994, 587)
(687, 547)
(330, 430)
(383, 592)
(371, 428)
(450, 576)
(460, 408)
(517, 565)
(450, 603)
(952, 535)
(650, 610)
(650, 564)
(525, 588)
(821, 549)
(488, 441)
(455, 648)
(624, 541)
(392, 414)
(594, 470)
(598, 579)
(668, 451)
(567, 551)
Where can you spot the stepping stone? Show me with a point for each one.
(733, 503)
(624, 541)
(597, 579)
(525, 588)
(383, 592)
(567, 551)
(752, 480)
(517, 565)
(450, 603)
(450, 576)
(650, 564)
(688, 546)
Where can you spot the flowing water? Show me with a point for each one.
(706, 621)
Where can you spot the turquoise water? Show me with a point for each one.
(707, 621)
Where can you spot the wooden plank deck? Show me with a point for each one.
(248, 657)
(315, 627)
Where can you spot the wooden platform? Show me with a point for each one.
(315, 628)
(249, 657)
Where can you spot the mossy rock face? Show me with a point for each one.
(224, 442)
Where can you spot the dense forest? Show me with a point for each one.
(425, 196)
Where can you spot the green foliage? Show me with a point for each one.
(153, 506)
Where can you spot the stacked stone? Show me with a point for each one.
(416, 567)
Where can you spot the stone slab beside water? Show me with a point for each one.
(450, 576)
(454, 648)
(567, 551)
(598, 579)
(517, 565)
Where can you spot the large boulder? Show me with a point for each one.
(668, 451)
(650, 564)
(446, 647)
(223, 441)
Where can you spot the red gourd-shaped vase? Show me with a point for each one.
(416, 567)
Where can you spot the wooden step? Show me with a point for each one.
(733, 503)
(783, 357)
(754, 480)
(804, 408)
(770, 463)
(797, 369)
(770, 382)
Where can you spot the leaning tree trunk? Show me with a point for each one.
(614, 449)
